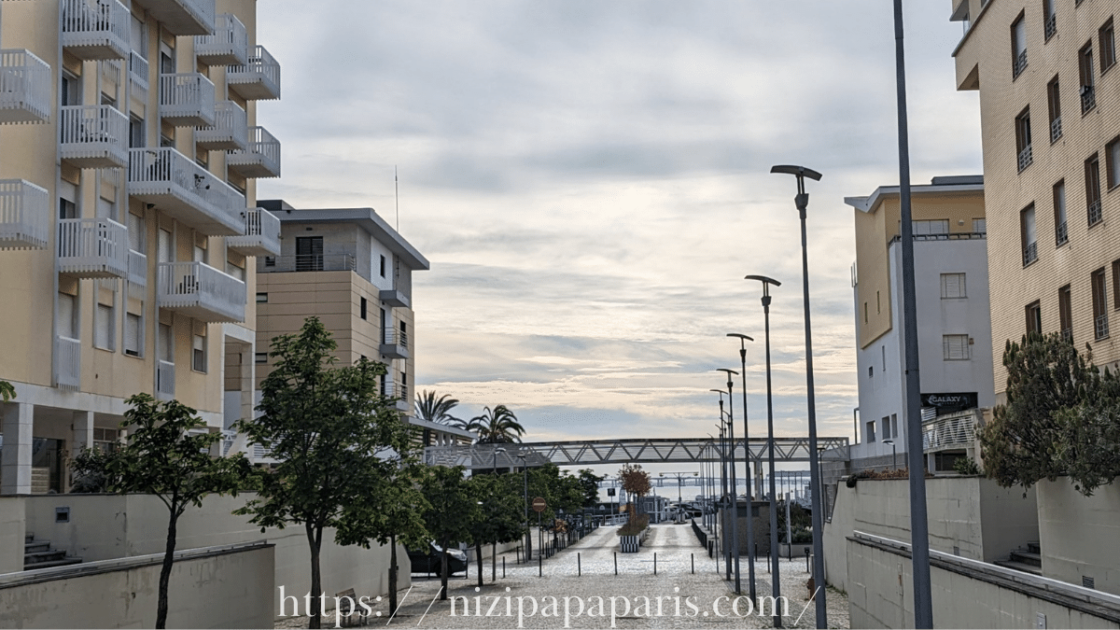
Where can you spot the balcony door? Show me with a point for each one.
(309, 253)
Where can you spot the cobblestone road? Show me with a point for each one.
(674, 598)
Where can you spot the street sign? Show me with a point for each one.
(539, 504)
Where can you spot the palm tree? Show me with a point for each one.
(497, 426)
(433, 409)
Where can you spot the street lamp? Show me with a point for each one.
(723, 475)
(528, 534)
(680, 480)
(802, 203)
(734, 489)
(894, 453)
(776, 587)
(743, 339)
(494, 545)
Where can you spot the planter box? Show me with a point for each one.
(632, 544)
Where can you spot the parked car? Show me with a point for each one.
(431, 561)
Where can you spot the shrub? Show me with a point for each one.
(635, 525)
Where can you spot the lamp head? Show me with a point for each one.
(740, 336)
(796, 171)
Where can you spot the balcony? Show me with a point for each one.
(186, 99)
(138, 76)
(182, 17)
(310, 262)
(1095, 215)
(165, 380)
(1030, 253)
(185, 191)
(1061, 234)
(394, 297)
(257, 80)
(229, 131)
(1100, 326)
(261, 159)
(1019, 64)
(1026, 158)
(68, 370)
(262, 234)
(25, 87)
(95, 29)
(1051, 27)
(25, 213)
(229, 45)
(1055, 129)
(200, 291)
(94, 136)
(395, 344)
(137, 268)
(397, 391)
(92, 248)
(1088, 99)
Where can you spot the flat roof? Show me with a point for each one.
(939, 185)
(365, 218)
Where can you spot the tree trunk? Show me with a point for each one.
(444, 568)
(478, 554)
(314, 540)
(392, 574)
(165, 570)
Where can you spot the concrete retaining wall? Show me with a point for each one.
(1080, 534)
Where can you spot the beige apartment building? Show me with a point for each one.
(352, 270)
(1047, 70)
(128, 216)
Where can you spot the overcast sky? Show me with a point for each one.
(590, 181)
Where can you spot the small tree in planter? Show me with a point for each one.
(635, 482)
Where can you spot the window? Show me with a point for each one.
(103, 327)
(136, 232)
(1112, 163)
(133, 335)
(955, 347)
(1051, 25)
(1093, 189)
(1034, 318)
(871, 371)
(198, 353)
(1027, 235)
(262, 298)
(883, 349)
(1065, 312)
(894, 424)
(166, 344)
(1061, 231)
(136, 133)
(1100, 304)
(1107, 42)
(979, 226)
(67, 209)
(923, 228)
(67, 316)
(886, 427)
(269, 261)
(260, 357)
(1088, 82)
(865, 312)
(71, 90)
(1018, 46)
(363, 308)
(382, 265)
(309, 253)
(878, 303)
(164, 250)
(1023, 138)
(201, 254)
(1115, 284)
(952, 286)
(235, 270)
(870, 432)
(1054, 107)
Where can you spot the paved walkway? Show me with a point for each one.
(674, 598)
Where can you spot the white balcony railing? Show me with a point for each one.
(68, 370)
(185, 191)
(182, 17)
(200, 291)
(262, 234)
(257, 80)
(94, 136)
(949, 432)
(261, 159)
(92, 248)
(229, 131)
(25, 87)
(137, 268)
(138, 76)
(186, 99)
(228, 45)
(95, 29)
(165, 379)
(25, 212)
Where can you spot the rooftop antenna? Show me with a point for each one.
(397, 195)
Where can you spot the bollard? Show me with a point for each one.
(503, 567)
(693, 563)
(655, 563)
(616, 563)
(579, 565)
(807, 560)
(540, 565)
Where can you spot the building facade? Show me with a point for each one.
(128, 216)
(1046, 70)
(954, 331)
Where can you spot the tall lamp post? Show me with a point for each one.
(731, 481)
(802, 203)
(776, 569)
(724, 439)
(743, 339)
(528, 534)
(494, 545)
(894, 453)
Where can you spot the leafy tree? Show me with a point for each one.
(328, 427)
(635, 482)
(89, 471)
(7, 391)
(433, 409)
(1089, 447)
(452, 507)
(162, 457)
(589, 485)
(500, 517)
(498, 426)
(1045, 374)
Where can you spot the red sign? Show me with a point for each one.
(539, 504)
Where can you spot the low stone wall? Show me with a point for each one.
(1079, 534)
(220, 587)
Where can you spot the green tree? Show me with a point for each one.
(167, 453)
(500, 517)
(589, 484)
(497, 426)
(452, 507)
(327, 426)
(1045, 374)
(1089, 447)
(7, 391)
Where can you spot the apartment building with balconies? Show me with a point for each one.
(352, 270)
(127, 234)
(954, 330)
(1053, 206)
